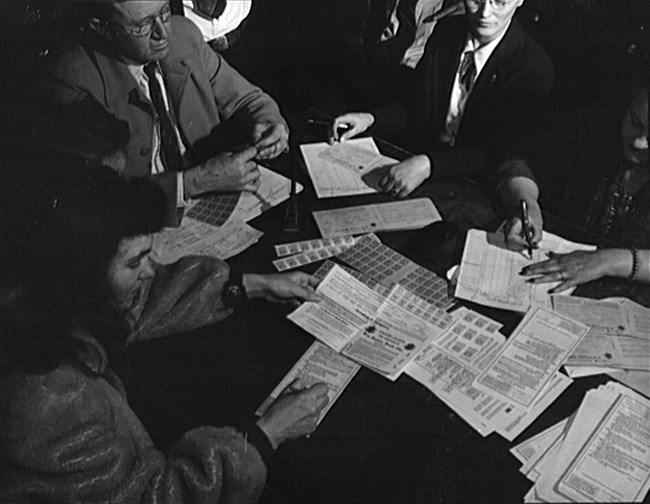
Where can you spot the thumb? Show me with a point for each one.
(318, 390)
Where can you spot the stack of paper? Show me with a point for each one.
(215, 224)
(381, 332)
(489, 271)
(600, 454)
(496, 385)
(618, 341)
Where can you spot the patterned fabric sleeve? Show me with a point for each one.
(69, 437)
(183, 296)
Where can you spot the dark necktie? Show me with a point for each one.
(171, 154)
(467, 71)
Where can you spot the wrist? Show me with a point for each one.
(254, 285)
(618, 262)
(190, 186)
(266, 430)
(234, 291)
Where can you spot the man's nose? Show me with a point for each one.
(160, 31)
(485, 8)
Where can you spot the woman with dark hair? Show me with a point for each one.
(67, 432)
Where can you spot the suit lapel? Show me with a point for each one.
(449, 44)
(495, 68)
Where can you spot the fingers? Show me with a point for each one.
(270, 140)
(297, 385)
(248, 154)
(252, 179)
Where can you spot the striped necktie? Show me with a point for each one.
(171, 154)
(467, 71)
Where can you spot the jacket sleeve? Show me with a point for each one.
(234, 95)
(183, 296)
(79, 442)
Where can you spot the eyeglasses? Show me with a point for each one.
(495, 4)
(145, 27)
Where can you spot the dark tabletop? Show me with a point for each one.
(382, 442)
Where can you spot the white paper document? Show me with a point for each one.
(198, 238)
(609, 342)
(602, 453)
(217, 209)
(380, 332)
(489, 271)
(449, 366)
(345, 168)
(532, 355)
(319, 364)
(406, 214)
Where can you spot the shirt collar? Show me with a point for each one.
(483, 53)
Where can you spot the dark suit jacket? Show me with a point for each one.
(507, 102)
(205, 92)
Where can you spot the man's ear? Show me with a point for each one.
(101, 28)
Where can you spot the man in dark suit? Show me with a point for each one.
(481, 84)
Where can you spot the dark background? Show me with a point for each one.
(325, 54)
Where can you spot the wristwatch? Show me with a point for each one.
(234, 292)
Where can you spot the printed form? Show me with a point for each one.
(319, 364)
(199, 238)
(602, 455)
(345, 168)
(407, 214)
(489, 271)
(450, 365)
(612, 338)
(379, 332)
(532, 355)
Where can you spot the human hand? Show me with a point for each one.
(354, 123)
(292, 287)
(270, 139)
(457, 8)
(227, 172)
(294, 414)
(576, 267)
(403, 178)
(514, 229)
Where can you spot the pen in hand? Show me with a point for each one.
(340, 129)
(525, 223)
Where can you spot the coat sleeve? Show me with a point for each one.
(234, 95)
(183, 296)
(72, 438)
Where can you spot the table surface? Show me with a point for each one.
(382, 442)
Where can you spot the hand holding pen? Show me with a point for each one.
(523, 231)
(347, 126)
(525, 223)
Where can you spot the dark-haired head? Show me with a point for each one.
(69, 232)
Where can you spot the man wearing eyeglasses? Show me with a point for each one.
(481, 84)
(196, 124)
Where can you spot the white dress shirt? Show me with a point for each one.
(232, 16)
